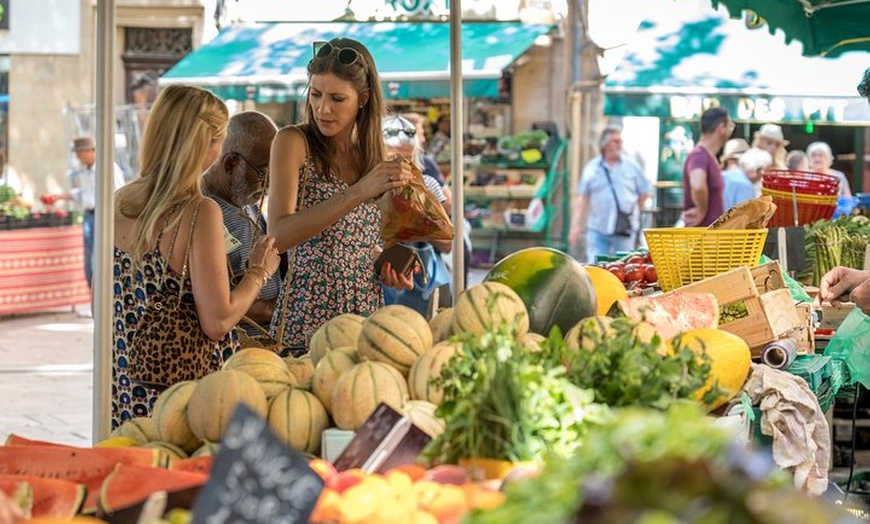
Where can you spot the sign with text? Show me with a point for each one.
(4, 13)
(256, 478)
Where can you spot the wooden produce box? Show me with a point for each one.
(771, 311)
(805, 335)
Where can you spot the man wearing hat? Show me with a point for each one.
(737, 187)
(769, 137)
(83, 189)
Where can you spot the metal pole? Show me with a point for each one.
(103, 226)
(456, 147)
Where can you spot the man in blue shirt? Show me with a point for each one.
(610, 183)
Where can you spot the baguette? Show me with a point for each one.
(751, 214)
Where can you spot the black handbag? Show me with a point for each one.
(623, 220)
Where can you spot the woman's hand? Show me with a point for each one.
(387, 175)
(391, 278)
(265, 254)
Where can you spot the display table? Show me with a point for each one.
(42, 268)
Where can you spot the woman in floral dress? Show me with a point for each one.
(324, 177)
(156, 217)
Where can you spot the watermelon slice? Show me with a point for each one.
(19, 494)
(674, 313)
(54, 498)
(18, 440)
(128, 486)
(194, 464)
(88, 466)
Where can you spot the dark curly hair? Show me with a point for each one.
(864, 86)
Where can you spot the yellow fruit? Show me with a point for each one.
(117, 442)
(608, 288)
(588, 332)
(645, 332)
(730, 359)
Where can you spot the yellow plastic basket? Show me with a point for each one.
(685, 255)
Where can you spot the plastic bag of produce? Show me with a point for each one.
(412, 214)
(851, 345)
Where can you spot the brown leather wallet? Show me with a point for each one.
(401, 258)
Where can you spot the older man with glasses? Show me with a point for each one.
(237, 181)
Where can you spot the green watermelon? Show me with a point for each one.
(555, 288)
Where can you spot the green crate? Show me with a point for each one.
(815, 369)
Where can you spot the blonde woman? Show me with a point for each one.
(324, 178)
(183, 137)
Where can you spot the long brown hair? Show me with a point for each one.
(363, 75)
(183, 123)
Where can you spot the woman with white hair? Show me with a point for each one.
(821, 159)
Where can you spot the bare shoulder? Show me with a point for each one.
(291, 137)
(209, 211)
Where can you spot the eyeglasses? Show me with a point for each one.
(394, 132)
(346, 55)
(262, 173)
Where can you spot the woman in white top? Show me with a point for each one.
(821, 159)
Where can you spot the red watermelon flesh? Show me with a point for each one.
(88, 466)
(674, 313)
(18, 440)
(130, 485)
(52, 498)
(193, 464)
(18, 493)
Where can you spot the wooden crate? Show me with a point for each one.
(771, 311)
(805, 335)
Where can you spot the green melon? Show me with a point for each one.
(555, 288)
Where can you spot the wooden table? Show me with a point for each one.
(42, 268)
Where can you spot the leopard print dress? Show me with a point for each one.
(132, 287)
(333, 272)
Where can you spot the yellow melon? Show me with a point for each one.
(442, 325)
(489, 305)
(327, 371)
(266, 366)
(589, 330)
(299, 419)
(170, 416)
(395, 335)
(422, 414)
(730, 360)
(361, 388)
(215, 398)
(340, 331)
(140, 429)
(608, 288)
(302, 369)
(428, 366)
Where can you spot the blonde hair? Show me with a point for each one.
(183, 124)
(363, 75)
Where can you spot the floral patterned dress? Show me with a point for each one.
(332, 273)
(132, 287)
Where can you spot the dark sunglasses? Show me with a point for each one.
(394, 132)
(262, 173)
(346, 55)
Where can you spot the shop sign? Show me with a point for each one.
(767, 109)
(4, 14)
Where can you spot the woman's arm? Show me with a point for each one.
(290, 227)
(219, 309)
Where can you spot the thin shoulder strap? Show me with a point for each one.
(189, 240)
(291, 259)
(610, 183)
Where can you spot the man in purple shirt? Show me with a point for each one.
(702, 177)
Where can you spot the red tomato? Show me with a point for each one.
(633, 273)
(649, 273)
(647, 257)
(635, 259)
(617, 270)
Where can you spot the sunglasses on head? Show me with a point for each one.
(346, 55)
(394, 132)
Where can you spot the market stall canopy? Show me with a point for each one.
(679, 63)
(268, 61)
(824, 27)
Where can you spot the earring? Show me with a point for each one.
(361, 106)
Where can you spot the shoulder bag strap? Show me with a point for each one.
(187, 249)
(610, 183)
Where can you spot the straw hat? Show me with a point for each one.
(84, 143)
(733, 149)
(773, 132)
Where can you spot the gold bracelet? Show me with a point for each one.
(260, 273)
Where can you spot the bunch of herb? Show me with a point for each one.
(501, 402)
(624, 369)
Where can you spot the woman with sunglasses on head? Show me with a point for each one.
(325, 176)
(169, 238)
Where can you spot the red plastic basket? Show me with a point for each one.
(804, 182)
(809, 208)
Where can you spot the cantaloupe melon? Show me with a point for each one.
(361, 388)
(422, 414)
(170, 416)
(215, 398)
(302, 369)
(442, 325)
(140, 429)
(586, 333)
(340, 331)
(299, 419)
(489, 305)
(395, 335)
(427, 367)
(327, 372)
(266, 366)
(170, 452)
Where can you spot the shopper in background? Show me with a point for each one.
(156, 215)
(324, 178)
(864, 85)
(429, 165)
(769, 137)
(731, 154)
(83, 192)
(821, 160)
(797, 160)
(744, 183)
(702, 177)
(237, 182)
(439, 146)
(611, 183)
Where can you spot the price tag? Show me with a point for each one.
(256, 478)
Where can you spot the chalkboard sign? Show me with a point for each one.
(256, 478)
